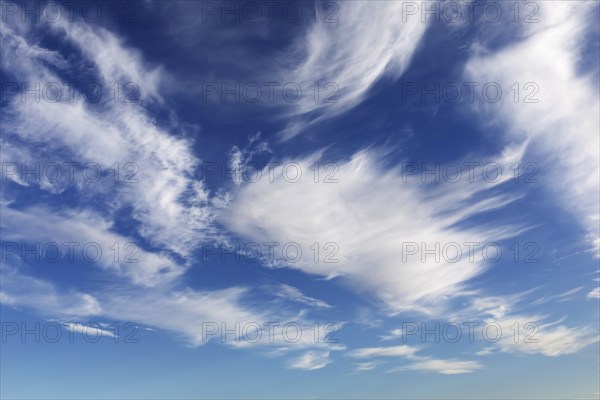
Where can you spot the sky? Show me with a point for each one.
(298, 199)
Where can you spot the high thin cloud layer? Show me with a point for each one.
(370, 42)
(156, 182)
(370, 221)
(561, 119)
(417, 362)
(375, 228)
(85, 230)
(159, 167)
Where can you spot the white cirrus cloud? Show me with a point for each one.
(19, 290)
(393, 334)
(445, 367)
(90, 330)
(594, 294)
(366, 366)
(294, 294)
(391, 351)
(170, 207)
(560, 120)
(510, 329)
(169, 203)
(418, 362)
(363, 221)
(71, 234)
(370, 42)
(310, 360)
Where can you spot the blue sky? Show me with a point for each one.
(300, 199)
